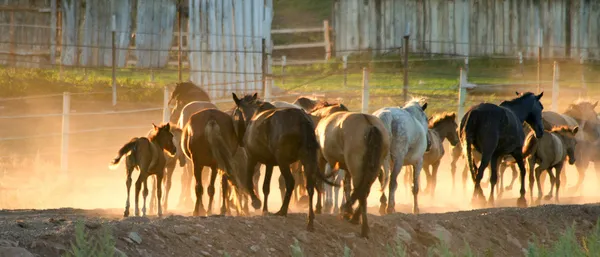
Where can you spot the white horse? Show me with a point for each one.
(407, 127)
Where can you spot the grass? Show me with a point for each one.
(84, 245)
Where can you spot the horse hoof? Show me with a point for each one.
(382, 210)
(547, 197)
(280, 213)
(390, 210)
(416, 210)
(508, 188)
(522, 203)
(310, 227)
(256, 204)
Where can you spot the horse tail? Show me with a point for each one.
(128, 147)
(468, 143)
(372, 159)
(386, 118)
(218, 146)
(530, 146)
(311, 147)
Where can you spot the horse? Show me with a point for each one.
(407, 128)
(170, 164)
(210, 139)
(550, 151)
(188, 173)
(306, 103)
(442, 126)
(146, 155)
(358, 143)
(278, 137)
(496, 131)
(581, 113)
(282, 104)
(320, 111)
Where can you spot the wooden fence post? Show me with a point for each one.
(555, 87)
(521, 62)
(406, 48)
(539, 71)
(345, 66)
(166, 111)
(327, 38)
(462, 94)
(365, 93)
(283, 63)
(179, 40)
(64, 149)
(114, 61)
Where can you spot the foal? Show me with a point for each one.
(549, 151)
(146, 155)
(442, 126)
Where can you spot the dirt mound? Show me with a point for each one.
(502, 231)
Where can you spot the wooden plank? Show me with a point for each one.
(303, 45)
(298, 30)
(9, 8)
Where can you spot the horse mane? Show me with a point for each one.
(415, 101)
(260, 103)
(561, 129)
(323, 104)
(440, 118)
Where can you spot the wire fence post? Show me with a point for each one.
(264, 66)
(345, 66)
(521, 63)
(64, 146)
(406, 48)
(114, 61)
(555, 87)
(583, 84)
(269, 82)
(462, 94)
(179, 40)
(365, 93)
(283, 63)
(166, 111)
(467, 67)
(539, 71)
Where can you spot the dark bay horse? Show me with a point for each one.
(210, 139)
(278, 137)
(359, 143)
(306, 103)
(147, 156)
(496, 131)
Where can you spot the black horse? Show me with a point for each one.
(496, 131)
(184, 93)
(278, 137)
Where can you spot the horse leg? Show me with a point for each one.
(398, 163)
(128, 185)
(310, 176)
(198, 207)
(428, 174)
(385, 179)
(478, 191)
(530, 166)
(211, 188)
(501, 168)
(251, 168)
(153, 195)
(518, 156)
(362, 202)
(453, 173)
(464, 176)
(159, 178)
(434, 170)
(184, 186)
(224, 193)
(267, 187)
(281, 181)
(289, 188)
(552, 184)
(415, 190)
(138, 188)
(558, 169)
(339, 179)
(514, 175)
(168, 179)
(328, 191)
(494, 163)
(145, 194)
(538, 172)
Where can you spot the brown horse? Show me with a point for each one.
(549, 151)
(358, 143)
(170, 164)
(278, 137)
(442, 126)
(146, 155)
(306, 103)
(210, 139)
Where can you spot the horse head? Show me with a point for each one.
(531, 103)
(569, 140)
(162, 134)
(584, 112)
(417, 110)
(449, 127)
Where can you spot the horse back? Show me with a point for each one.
(405, 132)
(191, 108)
(195, 138)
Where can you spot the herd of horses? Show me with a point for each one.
(321, 146)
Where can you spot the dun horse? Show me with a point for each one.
(549, 152)
(407, 128)
(496, 131)
(357, 143)
(147, 156)
(278, 137)
(441, 127)
(209, 139)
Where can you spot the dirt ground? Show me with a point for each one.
(34, 192)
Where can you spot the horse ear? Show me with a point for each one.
(517, 92)
(168, 126)
(424, 107)
(453, 115)
(575, 129)
(540, 95)
(255, 96)
(154, 126)
(235, 98)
